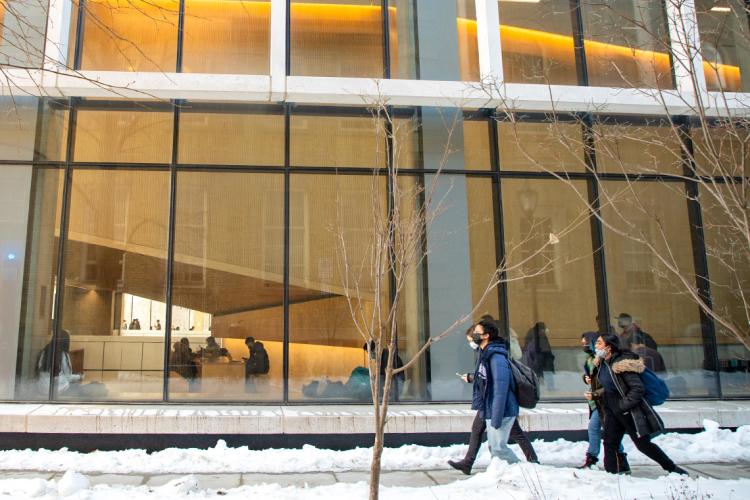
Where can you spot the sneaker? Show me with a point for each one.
(591, 461)
(462, 465)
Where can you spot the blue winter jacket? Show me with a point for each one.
(494, 391)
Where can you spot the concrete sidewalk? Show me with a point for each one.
(738, 470)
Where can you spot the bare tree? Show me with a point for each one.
(375, 280)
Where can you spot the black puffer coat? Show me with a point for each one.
(626, 368)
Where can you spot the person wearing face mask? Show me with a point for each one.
(479, 425)
(625, 407)
(493, 392)
(590, 367)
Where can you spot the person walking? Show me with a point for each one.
(494, 390)
(590, 368)
(479, 425)
(625, 407)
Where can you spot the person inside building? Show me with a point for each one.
(625, 407)
(590, 367)
(628, 329)
(398, 379)
(182, 360)
(479, 426)
(211, 351)
(157, 326)
(651, 357)
(64, 375)
(537, 353)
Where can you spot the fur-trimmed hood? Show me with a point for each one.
(629, 365)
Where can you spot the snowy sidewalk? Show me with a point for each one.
(422, 478)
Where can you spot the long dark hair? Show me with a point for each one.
(613, 341)
(63, 346)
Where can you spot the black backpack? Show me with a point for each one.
(527, 384)
(259, 360)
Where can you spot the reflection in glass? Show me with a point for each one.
(18, 115)
(728, 269)
(722, 149)
(346, 140)
(130, 35)
(227, 138)
(228, 287)
(643, 294)
(552, 288)
(724, 35)
(541, 146)
(336, 38)
(626, 44)
(631, 148)
(433, 40)
(420, 140)
(226, 37)
(123, 136)
(537, 42)
(326, 358)
(23, 25)
(31, 201)
(115, 253)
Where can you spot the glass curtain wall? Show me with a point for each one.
(725, 36)
(258, 308)
(218, 36)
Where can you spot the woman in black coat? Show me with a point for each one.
(625, 408)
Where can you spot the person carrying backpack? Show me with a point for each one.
(625, 407)
(494, 389)
(480, 425)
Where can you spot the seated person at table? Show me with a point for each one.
(66, 382)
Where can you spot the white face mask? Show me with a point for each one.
(473, 345)
(601, 353)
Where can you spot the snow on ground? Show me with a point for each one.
(711, 445)
(520, 481)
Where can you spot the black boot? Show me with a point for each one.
(462, 465)
(591, 461)
(679, 470)
(623, 467)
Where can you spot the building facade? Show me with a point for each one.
(172, 171)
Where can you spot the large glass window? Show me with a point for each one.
(639, 147)
(230, 135)
(725, 36)
(650, 311)
(23, 25)
(552, 287)
(226, 36)
(725, 237)
(544, 146)
(349, 138)
(31, 200)
(336, 38)
(626, 43)
(326, 356)
(442, 138)
(433, 40)
(537, 42)
(115, 286)
(228, 287)
(721, 149)
(123, 135)
(17, 127)
(130, 35)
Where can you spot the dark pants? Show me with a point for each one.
(516, 434)
(615, 427)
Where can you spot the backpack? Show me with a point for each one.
(656, 389)
(527, 384)
(259, 360)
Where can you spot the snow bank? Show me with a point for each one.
(519, 481)
(710, 445)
